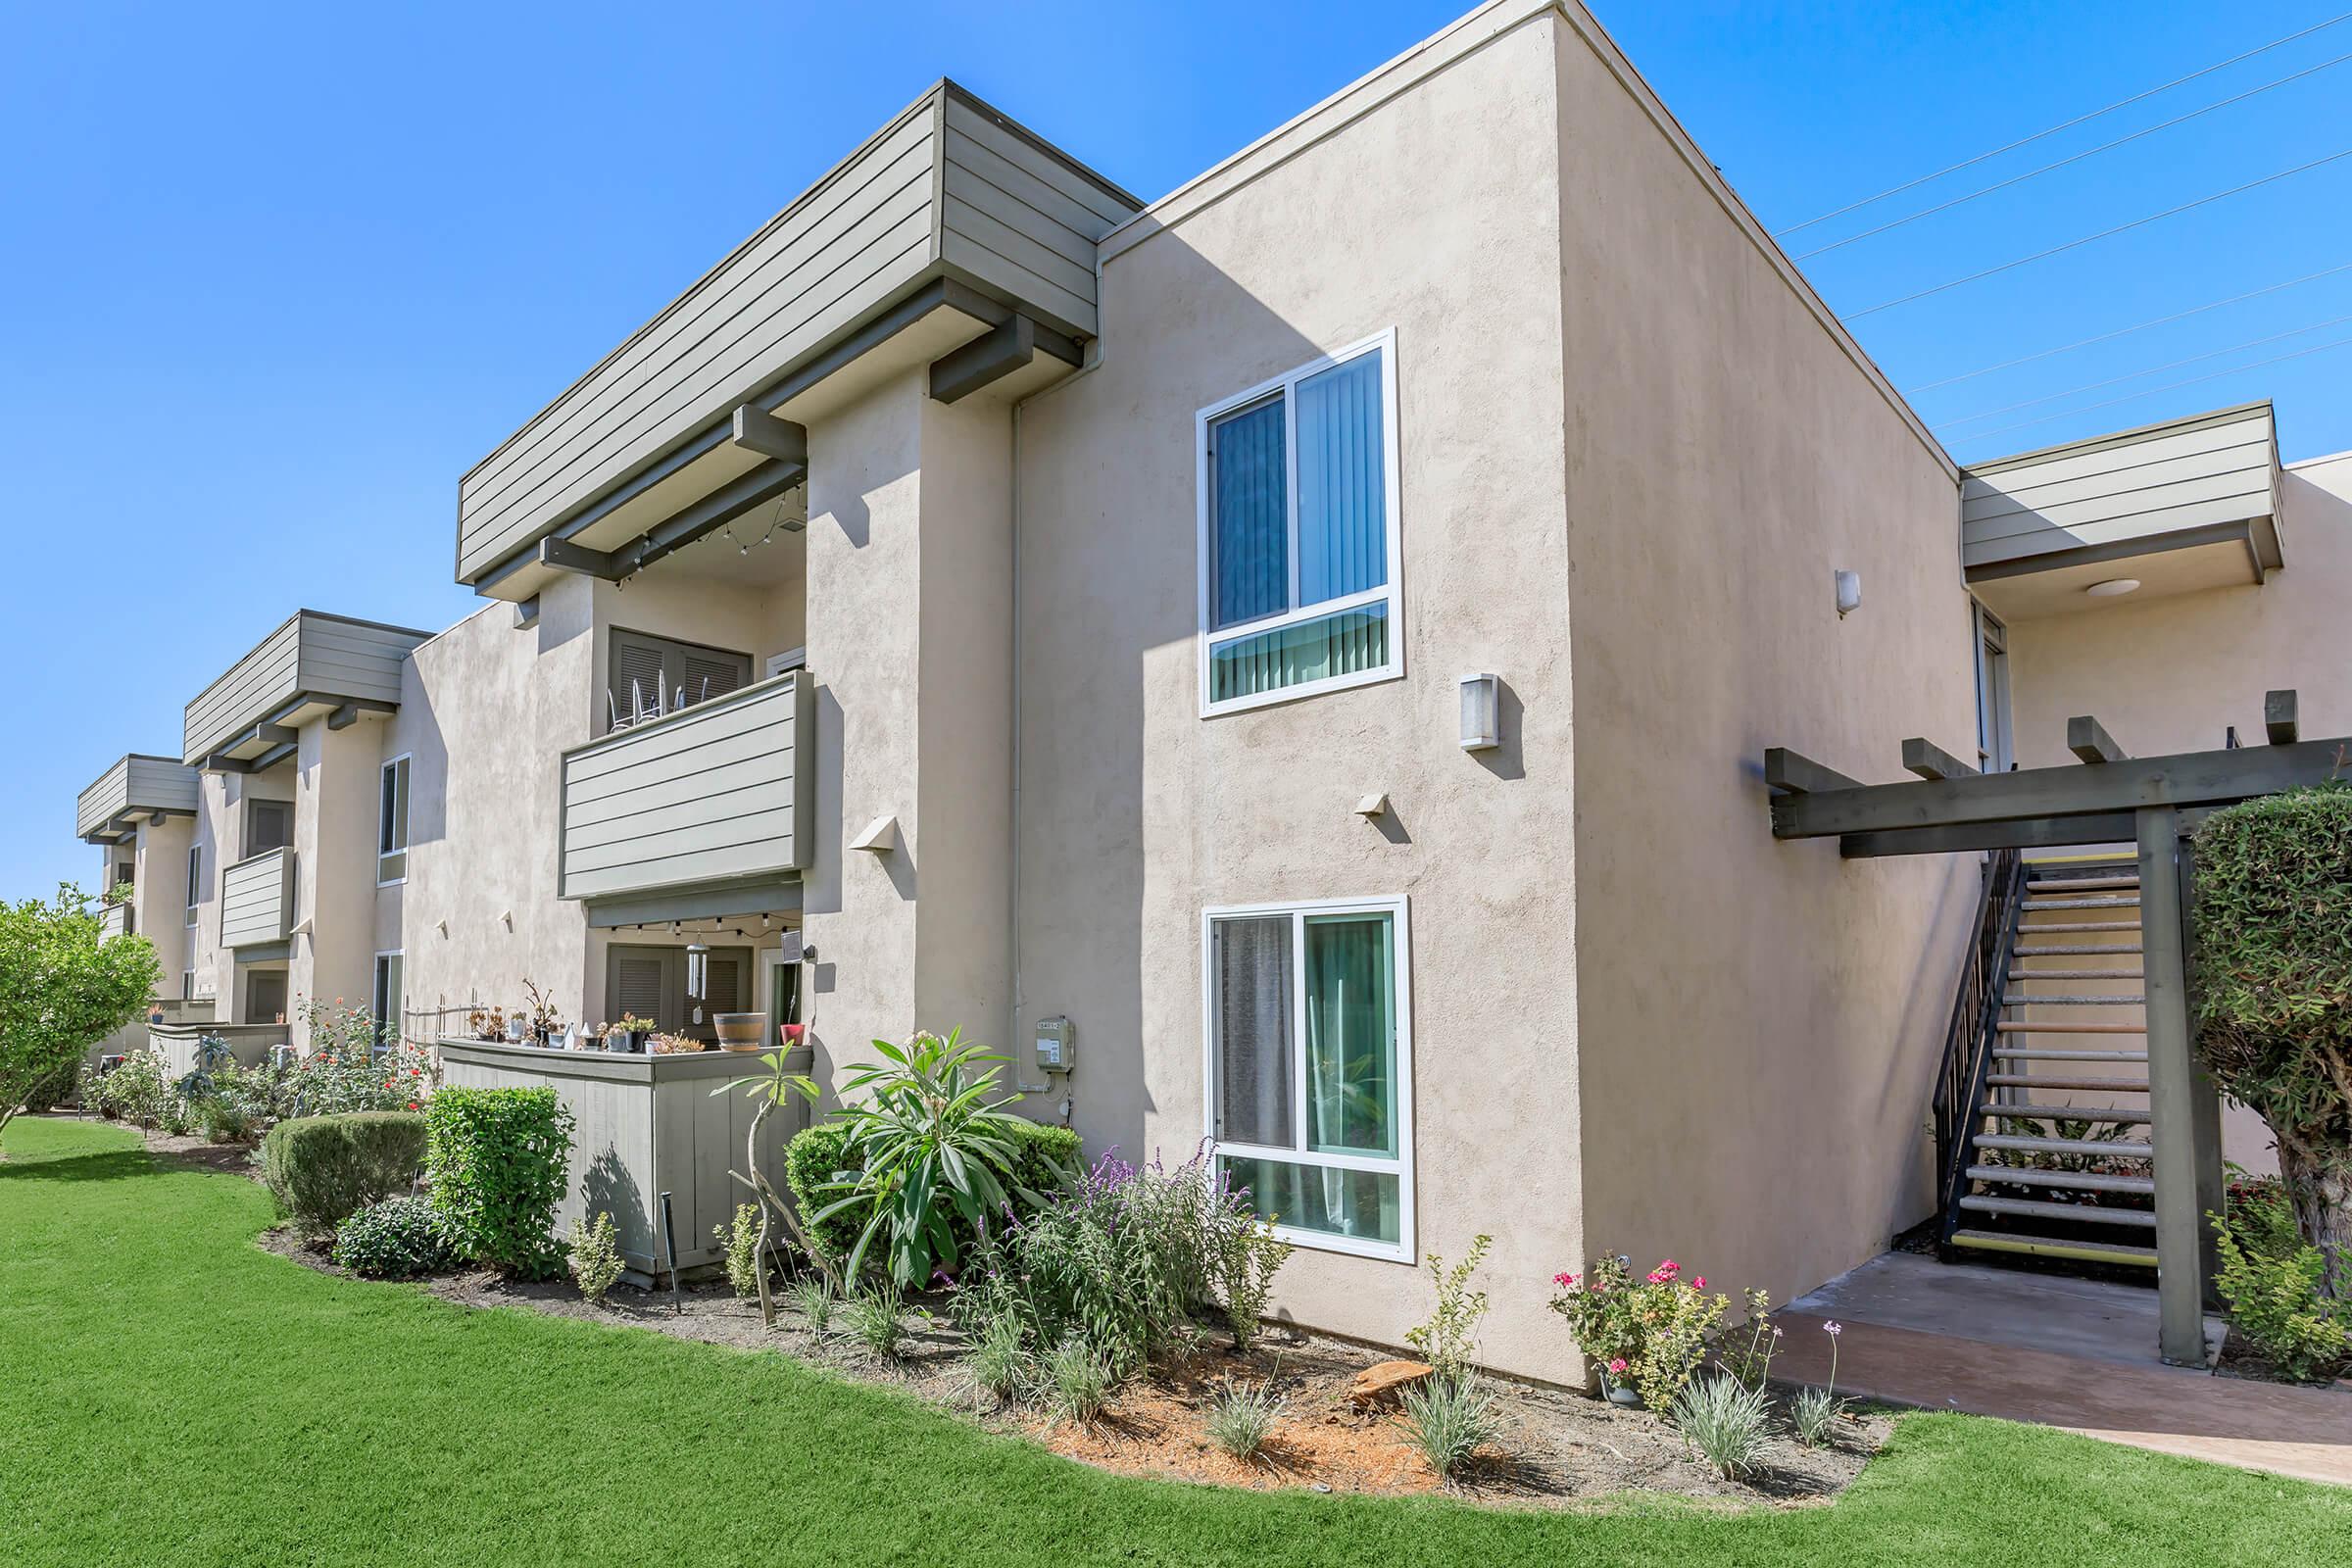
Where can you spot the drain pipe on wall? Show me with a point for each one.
(1097, 352)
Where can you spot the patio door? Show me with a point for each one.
(1993, 751)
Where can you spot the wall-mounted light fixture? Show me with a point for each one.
(1850, 592)
(1482, 713)
(881, 835)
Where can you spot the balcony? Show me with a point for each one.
(952, 237)
(137, 787)
(311, 666)
(257, 900)
(704, 812)
(2167, 509)
(115, 920)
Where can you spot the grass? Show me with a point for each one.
(170, 1394)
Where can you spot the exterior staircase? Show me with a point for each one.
(2051, 1151)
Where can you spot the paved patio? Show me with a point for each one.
(2064, 1352)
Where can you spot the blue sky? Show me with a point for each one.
(272, 277)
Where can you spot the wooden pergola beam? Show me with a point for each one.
(1930, 761)
(1799, 774)
(2188, 778)
(2088, 741)
(2055, 832)
(2278, 717)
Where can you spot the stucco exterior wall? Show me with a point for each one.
(1420, 205)
(159, 904)
(220, 827)
(1758, 1024)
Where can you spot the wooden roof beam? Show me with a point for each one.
(1930, 761)
(1799, 774)
(2278, 717)
(2087, 740)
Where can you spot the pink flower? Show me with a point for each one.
(1776, 1331)
(1833, 1330)
(1699, 1284)
(1669, 1267)
(1564, 1281)
(1618, 1365)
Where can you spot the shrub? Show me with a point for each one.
(2273, 1282)
(1448, 1418)
(1725, 1421)
(1241, 1419)
(874, 1322)
(138, 1090)
(499, 1162)
(1813, 1412)
(739, 1242)
(1749, 1359)
(999, 1363)
(1243, 1255)
(324, 1169)
(929, 1144)
(47, 1094)
(812, 1298)
(1450, 1337)
(355, 1064)
(2272, 985)
(395, 1239)
(596, 1261)
(1657, 1328)
(818, 1160)
(1078, 1379)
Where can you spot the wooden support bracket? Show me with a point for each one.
(1930, 761)
(2278, 717)
(1799, 774)
(2087, 741)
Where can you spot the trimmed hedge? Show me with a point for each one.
(500, 1161)
(813, 1159)
(324, 1169)
(395, 1239)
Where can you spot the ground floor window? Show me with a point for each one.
(385, 1004)
(1309, 1066)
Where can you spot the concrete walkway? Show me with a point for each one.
(2079, 1355)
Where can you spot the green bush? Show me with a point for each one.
(324, 1169)
(2272, 1278)
(395, 1239)
(499, 1162)
(813, 1161)
(2271, 980)
(46, 1094)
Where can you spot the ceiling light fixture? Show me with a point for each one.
(2113, 588)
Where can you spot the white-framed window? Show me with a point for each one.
(195, 882)
(1298, 550)
(1308, 1016)
(386, 998)
(392, 823)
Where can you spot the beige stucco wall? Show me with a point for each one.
(1758, 1024)
(908, 637)
(1135, 813)
(159, 852)
(220, 827)
(2173, 674)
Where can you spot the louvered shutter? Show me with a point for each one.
(637, 985)
(708, 673)
(638, 677)
(727, 985)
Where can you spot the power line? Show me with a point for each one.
(2127, 331)
(2105, 234)
(2153, 370)
(2103, 147)
(2022, 141)
(2169, 386)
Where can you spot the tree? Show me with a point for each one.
(63, 985)
(2271, 983)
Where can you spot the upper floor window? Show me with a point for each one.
(195, 880)
(268, 825)
(392, 823)
(1298, 544)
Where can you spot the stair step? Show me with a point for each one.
(2008, 1028)
(2027, 1053)
(2080, 884)
(2077, 974)
(2108, 1148)
(2087, 1181)
(2026, 1080)
(2051, 1246)
(2069, 949)
(2018, 998)
(2142, 1218)
(2053, 927)
(2024, 1111)
(2112, 903)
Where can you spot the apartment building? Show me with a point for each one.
(1292, 660)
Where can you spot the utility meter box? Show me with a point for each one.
(1056, 1045)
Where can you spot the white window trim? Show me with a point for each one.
(1391, 593)
(381, 855)
(374, 969)
(1397, 909)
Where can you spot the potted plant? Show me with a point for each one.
(488, 1023)
(546, 1021)
(633, 1031)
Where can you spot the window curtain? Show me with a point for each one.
(1250, 494)
(1254, 1031)
(1343, 482)
(1289, 656)
(1351, 1085)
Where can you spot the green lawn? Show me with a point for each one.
(170, 1394)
